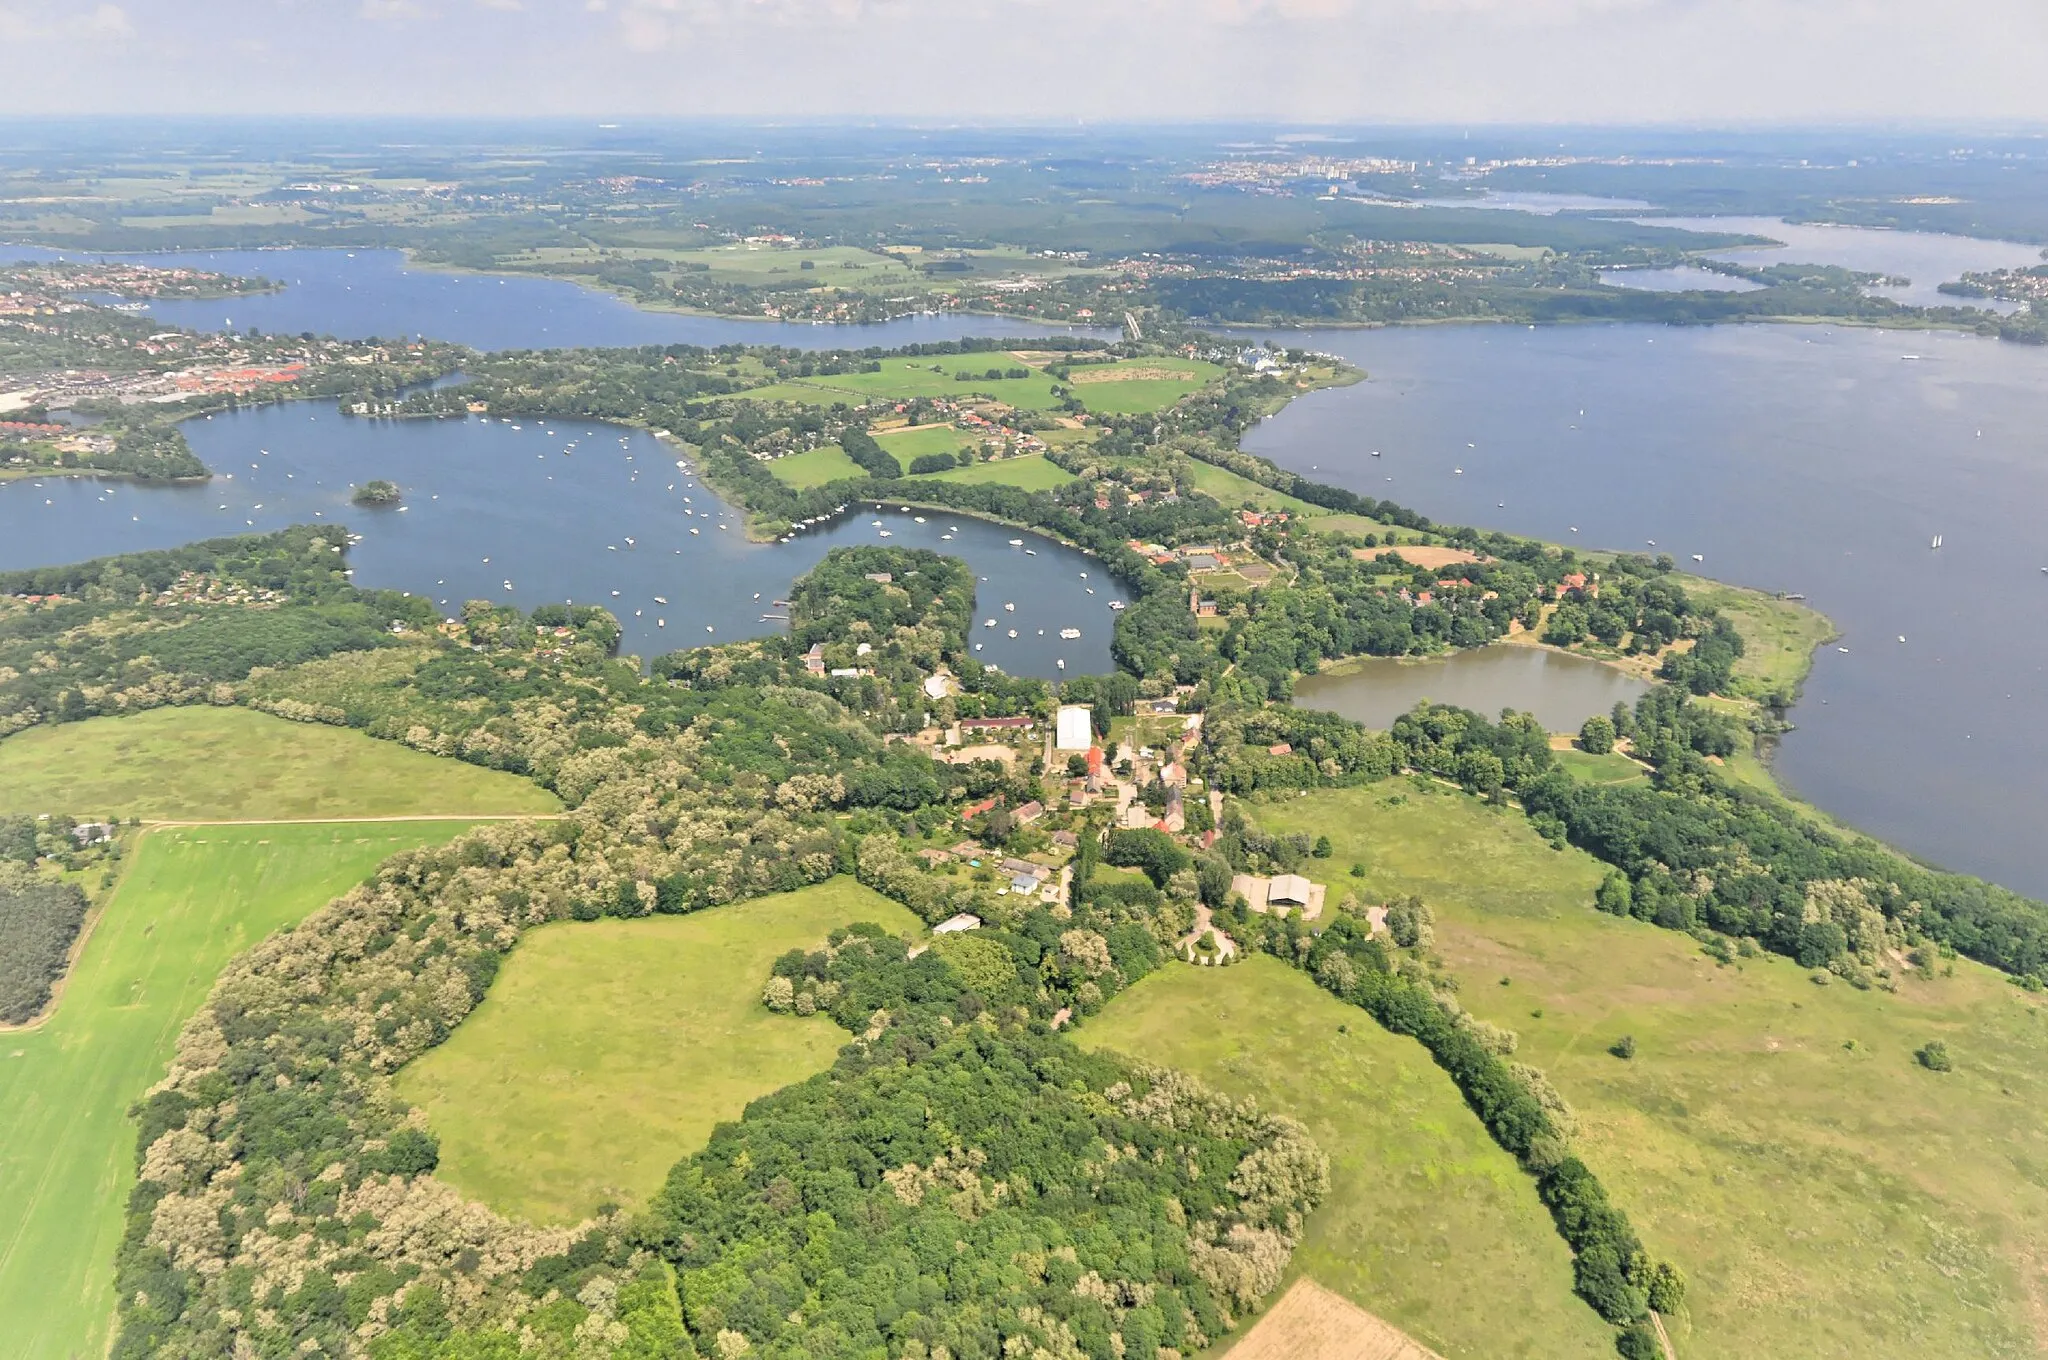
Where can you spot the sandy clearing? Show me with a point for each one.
(1311, 1323)
(1430, 559)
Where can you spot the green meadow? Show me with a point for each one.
(739, 262)
(608, 1050)
(923, 376)
(1428, 1224)
(1827, 1196)
(1030, 471)
(191, 899)
(1234, 491)
(235, 764)
(1128, 387)
(1611, 768)
(915, 443)
(816, 467)
(1782, 635)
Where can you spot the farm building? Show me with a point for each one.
(1280, 893)
(1075, 730)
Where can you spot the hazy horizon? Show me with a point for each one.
(1022, 62)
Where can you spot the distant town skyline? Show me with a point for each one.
(1480, 61)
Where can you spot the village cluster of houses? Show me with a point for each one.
(193, 587)
(1021, 877)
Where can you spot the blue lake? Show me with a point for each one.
(357, 294)
(562, 510)
(1926, 258)
(1807, 459)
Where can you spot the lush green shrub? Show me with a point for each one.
(1933, 1055)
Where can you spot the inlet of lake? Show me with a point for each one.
(1810, 459)
(526, 512)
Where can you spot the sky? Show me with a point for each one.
(1304, 61)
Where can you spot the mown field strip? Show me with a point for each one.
(193, 898)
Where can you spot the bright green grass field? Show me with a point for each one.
(1612, 768)
(192, 898)
(816, 467)
(1134, 395)
(908, 444)
(906, 378)
(1428, 1224)
(234, 764)
(1031, 471)
(607, 1051)
(1233, 491)
(1828, 1197)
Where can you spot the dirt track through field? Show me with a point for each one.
(1311, 1323)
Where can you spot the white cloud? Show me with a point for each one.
(109, 21)
(392, 11)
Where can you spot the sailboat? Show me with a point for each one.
(1936, 543)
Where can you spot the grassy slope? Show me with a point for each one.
(233, 764)
(1428, 1224)
(192, 899)
(1827, 1201)
(815, 467)
(1235, 491)
(656, 1023)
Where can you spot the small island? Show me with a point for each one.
(377, 492)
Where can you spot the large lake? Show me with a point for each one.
(562, 510)
(1926, 259)
(1798, 458)
(362, 293)
(1805, 459)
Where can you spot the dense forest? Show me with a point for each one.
(39, 919)
(147, 453)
